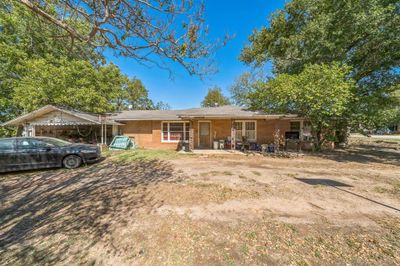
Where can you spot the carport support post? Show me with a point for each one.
(105, 132)
(102, 136)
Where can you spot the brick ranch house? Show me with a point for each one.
(197, 128)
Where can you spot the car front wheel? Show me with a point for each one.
(72, 161)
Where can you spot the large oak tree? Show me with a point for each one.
(362, 34)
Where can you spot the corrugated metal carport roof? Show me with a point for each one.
(91, 119)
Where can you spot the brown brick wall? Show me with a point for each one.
(147, 134)
(266, 129)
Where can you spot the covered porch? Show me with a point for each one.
(246, 134)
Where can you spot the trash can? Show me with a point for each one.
(215, 145)
(221, 144)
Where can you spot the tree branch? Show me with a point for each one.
(53, 20)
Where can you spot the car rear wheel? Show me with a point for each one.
(72, 161)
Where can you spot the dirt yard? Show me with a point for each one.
(336, 208)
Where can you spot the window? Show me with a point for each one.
(250, 132)
(6, 144)
(175, 131)
(57, 142)
(245, 129)
(294, 126)
(31, 144)
(239, 130)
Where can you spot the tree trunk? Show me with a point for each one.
(318, 140)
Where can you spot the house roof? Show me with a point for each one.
(228, 111)
(88, 118)
(146, 115)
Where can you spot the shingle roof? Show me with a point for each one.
(146, 115)
(221, 111)
(228, 111)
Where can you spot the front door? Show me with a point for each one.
(204, 135)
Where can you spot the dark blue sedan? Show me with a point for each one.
(25, 153)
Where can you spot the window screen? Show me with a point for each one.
(245, 129)
(175, 131)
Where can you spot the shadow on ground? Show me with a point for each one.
(340, 186)
(365, 154)
(38, 208)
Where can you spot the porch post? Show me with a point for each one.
(301, 130)
(191, 136)
(233, 135)
(277, 136)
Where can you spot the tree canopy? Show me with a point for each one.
(320, 93)
(215, 98)
(146, 31)
(37, 69)
(364, 35)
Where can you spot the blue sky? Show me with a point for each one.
(233, 17)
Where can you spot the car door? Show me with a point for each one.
(7, 155)
(40, 153)
(26, 154)
(33, 153)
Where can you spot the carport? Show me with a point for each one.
(68, 124)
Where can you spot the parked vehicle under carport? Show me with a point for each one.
(24, 153)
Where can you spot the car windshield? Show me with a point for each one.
(57, 142)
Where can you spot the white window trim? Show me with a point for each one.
(244, 128)
(173, 141)
(301, 131)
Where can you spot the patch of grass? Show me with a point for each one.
(353, 243)
(317, 254)
(252, 235)
(394, 190)
(250, 180)
(145, 154)
(215, 173)
(245, 249)
(227, 173)
(201, 193)
(256, 173)
(292, 227)
(229, 260)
